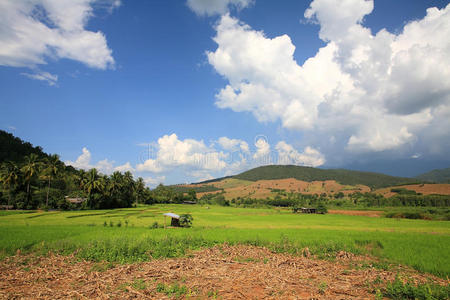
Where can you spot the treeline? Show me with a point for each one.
(31, 178)
(292, 199)
(198, 188)
(45, 182)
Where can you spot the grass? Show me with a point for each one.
(423, 245)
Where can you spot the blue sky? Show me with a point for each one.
(213, 88)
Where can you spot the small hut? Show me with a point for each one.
(308, 210)
(175, 219)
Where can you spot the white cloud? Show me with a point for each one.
(262, 155)
(216, 7)
(287, 155)
(233, 144)
(105, 166)
(124, 168)
(154, 181)
(83, 161)
(173, 152)
(373, 92)
(44, 76)
(36, 31)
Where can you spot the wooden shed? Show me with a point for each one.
(174, 219)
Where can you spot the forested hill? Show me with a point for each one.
(437, 176)
(14, 149)
(373, 180)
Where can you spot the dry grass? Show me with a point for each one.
(226, 272)
(425, 189)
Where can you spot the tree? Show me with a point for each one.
(53, 166)
(193, 195)
(115, 183)
(139, 188)
(91, 183)
(30, 169)
(186, 220)
(9, 176)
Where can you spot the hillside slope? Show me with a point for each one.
(437, 176)
(14, 149)
(346, 177)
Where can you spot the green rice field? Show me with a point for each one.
(128, 235)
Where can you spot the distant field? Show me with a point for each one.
(423, 245)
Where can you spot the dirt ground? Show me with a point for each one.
(425, 189)
(221, 272)
(262, 188)
(366, 213)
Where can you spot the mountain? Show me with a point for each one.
(437, 176)
(14, 149)
(346, 177)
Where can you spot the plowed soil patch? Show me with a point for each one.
(227, 272)
(366, 213)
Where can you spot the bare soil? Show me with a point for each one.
(425, 189)
(263, 188)
(223, 272)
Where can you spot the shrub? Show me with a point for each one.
(186, 220)
(321, 209)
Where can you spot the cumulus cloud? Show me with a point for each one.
(233, 144)
(173, 152)
(262, 154)
(154, 181)
(43, 76)
(216, 7)
(105, 166)
(288, 155)
(368, 92)
(36, 31)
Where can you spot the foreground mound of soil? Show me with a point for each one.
(222, 272)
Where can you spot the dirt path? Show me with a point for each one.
(222, 272)
(367, 213)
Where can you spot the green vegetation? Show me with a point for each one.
(346, 177)
(420, 244)
(408, 290)
(196, 189)
(437, 176)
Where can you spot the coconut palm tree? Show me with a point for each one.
(9, 176)
(91, 183)
(139, 187)
(53, 166)
(115, 183)
(30, 169)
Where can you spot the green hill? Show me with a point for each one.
(437, 176)
(14, 149)
(348, 177)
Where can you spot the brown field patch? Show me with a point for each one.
(261, 189)
(225, 272)
(366, 213)
(425, 189)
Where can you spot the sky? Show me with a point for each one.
(190, 90)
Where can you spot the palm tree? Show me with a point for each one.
(92, 182)
(9, 176)
(115, 183)
(139, 187)
(30, 169)
(53, 166)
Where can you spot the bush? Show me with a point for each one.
(186, 220)
(321, 209)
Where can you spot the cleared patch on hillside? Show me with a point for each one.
(265, 188)
(226, 272)
(424, 189)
